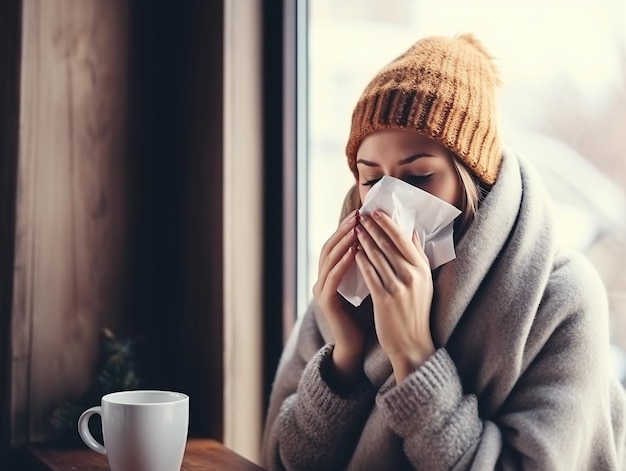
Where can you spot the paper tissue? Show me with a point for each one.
(412, 209)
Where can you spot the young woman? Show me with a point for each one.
(498, 359)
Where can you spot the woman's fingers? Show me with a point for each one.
(378, 253)
(338, 270)
(336, 264)
(344, 227)
(420, 249)
(337, 246)
(383, 225)
(393, 255)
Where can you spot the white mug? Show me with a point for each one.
(143, 430)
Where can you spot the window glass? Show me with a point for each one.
(562, 103)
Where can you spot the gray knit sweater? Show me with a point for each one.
(521, 378)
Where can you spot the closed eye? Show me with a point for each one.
(417, 180)
(371, 182)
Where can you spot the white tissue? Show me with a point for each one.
(412, 209)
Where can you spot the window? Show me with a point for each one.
(563, 103)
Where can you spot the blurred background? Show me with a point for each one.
(562, 103)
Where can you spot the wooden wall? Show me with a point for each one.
(71, 238)
(117, 202)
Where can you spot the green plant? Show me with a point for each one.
(116, 373)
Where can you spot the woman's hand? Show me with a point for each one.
(349, 327)
(397, 273)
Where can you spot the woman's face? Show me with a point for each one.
(406, 155)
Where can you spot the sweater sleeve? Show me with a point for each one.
(565, 411)
(309, 424)
(429, 411)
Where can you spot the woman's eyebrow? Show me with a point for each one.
(367, 162)
(408, 160)
(413, 158)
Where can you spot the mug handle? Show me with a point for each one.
(85, 434)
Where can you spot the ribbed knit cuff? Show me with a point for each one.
(321, 401)
(428, 396)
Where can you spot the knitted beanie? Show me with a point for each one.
(442, 88)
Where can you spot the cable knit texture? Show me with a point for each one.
(321, 406)
(434, 394)
(521, 378)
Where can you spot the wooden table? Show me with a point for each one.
(200, 455)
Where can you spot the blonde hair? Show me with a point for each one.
(472, 194)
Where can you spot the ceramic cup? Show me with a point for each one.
(143, 430)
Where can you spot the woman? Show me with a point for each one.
(497, 360)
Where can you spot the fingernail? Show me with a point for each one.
(377, 214)
(364, 217)
(358, 229)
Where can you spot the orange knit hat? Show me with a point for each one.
(442, 88)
